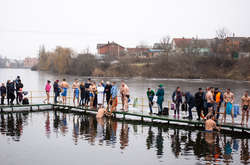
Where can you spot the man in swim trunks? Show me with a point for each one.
(64, 85)
(76, 91)
(228, 98)
(245, 104)
(124, 91)
(210, 102)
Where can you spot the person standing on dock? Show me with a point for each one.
(107, 92)
(210, 102)
(150, 95)
(64, 85)
(19, 86)
(218, 97)
(56, 90)
(3, 91)
(47, 90)
(245, 104)
(10, 92)
(190, 100)
(124, 91)
(100, 94)
(228, 99)
(76, 91)
(160, 98)
(199, 102)
(82, 94)
(114, 94)
(87, 91)
(177, 99)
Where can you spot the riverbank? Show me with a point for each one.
(166, 66)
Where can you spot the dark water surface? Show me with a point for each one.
(59, 138)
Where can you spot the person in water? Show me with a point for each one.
(64, 85)
(76, 91)
(245, 104)
(210, 124)
(47, 90)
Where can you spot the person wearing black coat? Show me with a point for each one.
(18, 86)
(56, 90)
(3, 91)
(10, 92)
(107, 91)
(199, 102)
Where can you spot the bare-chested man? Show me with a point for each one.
(210, 124)
(124, 91)
(228, 98)
(245, 104)
(64, 85)
(210, 102)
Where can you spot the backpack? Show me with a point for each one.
(25, 101)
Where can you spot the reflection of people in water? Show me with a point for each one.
(150, 138)
(64, 126)
(56, 121)
(100, 129)
(244, 154)
(75, 129)
(176, 146)
(227, 150)
(159, 143)
(124, 135)
(47, 125)
(2, 124)
(92, 129)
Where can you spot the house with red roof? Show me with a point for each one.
(111, 49)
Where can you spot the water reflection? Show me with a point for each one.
(12, 125)
(207, 148)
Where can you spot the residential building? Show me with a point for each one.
(29, 62)
(111, 48)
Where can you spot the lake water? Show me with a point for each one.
(58, 138)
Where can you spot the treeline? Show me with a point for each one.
(66, 61)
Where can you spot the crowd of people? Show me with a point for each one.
(207, 103)
(95, 94)
(13, 90)
(90, 94)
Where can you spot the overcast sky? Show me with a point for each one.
(81, 24)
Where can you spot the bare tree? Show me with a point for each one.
(222, 33)
(165, 45)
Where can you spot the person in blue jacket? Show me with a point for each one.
(160, 98)
(190, 100)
